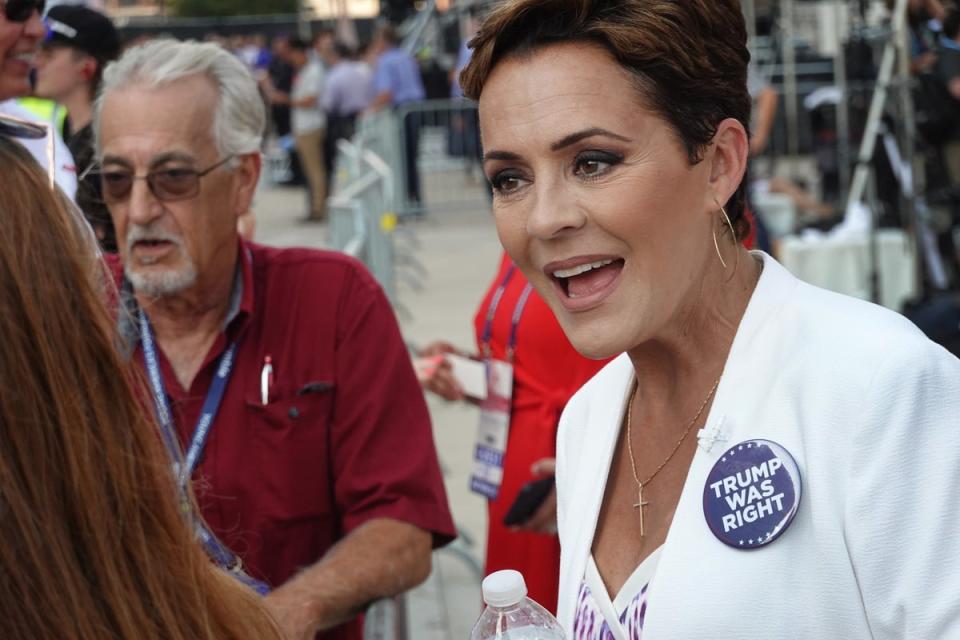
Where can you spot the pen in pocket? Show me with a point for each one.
(266, 380)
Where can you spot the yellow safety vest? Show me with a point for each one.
(45, 110)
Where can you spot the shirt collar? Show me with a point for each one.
(242, 294)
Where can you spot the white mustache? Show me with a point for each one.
(138, 233)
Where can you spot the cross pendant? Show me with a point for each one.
(640, 505)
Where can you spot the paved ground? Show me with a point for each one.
(458, 248)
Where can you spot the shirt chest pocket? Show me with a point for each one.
(291, 445)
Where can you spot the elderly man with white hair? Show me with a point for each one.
(280, 381)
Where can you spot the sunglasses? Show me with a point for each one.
(12, 127)
(167, 185)
(22, 10)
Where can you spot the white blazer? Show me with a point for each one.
(870, 410)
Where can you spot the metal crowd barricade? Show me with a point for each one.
(362, 221)
(363, 209)
(446, 137)
(374, 188)
(443, 136)
(379, 134)
(369, 195)
(386, 619)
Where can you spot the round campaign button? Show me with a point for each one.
(752, 494)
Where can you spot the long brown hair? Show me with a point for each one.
(92, 544)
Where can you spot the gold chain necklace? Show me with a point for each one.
(633, 464)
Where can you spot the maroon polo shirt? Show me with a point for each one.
(345, 436)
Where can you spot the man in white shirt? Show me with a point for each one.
(308, 122)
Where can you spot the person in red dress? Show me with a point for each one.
(547, 371)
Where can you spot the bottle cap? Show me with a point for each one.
(504, 588)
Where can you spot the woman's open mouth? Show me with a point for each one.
(584, 282)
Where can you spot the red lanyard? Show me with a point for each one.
(514, 320)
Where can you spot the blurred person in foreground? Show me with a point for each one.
(764, 459)
(94, 542)
(280, 373)
(21, 31)
(79, 44)
(517, 333)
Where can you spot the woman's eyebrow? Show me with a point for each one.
(563, 142)
(500, 155)
(577, 136)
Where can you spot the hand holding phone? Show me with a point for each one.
(528, 500)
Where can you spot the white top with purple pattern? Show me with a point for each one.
(597, 618)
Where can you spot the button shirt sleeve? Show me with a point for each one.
(383, 453)
(329, 98)
(318, 82)
(383, 74)
(903, 506)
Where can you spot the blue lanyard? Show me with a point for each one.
(514, 320)
(226, 559)
(183, 466)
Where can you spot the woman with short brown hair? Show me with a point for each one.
(615, 138)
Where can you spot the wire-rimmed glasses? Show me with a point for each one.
(166, 184)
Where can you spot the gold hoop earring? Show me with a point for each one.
(716, 245)
(733, 236)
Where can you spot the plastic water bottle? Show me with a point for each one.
(510, 614)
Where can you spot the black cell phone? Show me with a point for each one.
(530, 497)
